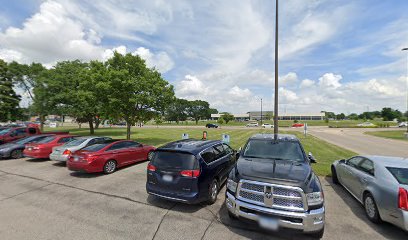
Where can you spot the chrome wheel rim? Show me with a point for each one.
(214, 191)
(370, 207)
(110, 166)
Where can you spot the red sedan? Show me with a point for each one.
(43, 148)
(296, 125)
(107, 157)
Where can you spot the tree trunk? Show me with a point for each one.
(196, 120)
(97, 123)
(42, 120)
(91, 127)
(128, 127)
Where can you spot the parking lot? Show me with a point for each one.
(43, 200)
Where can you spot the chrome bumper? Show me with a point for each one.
(59, 157)
(312, 221)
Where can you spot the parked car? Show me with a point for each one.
(267, 125)
(296, 125)
(379, 183)
(252, 124)
(211, 125)
(14, 133)
(62, 153)
(366, 124)
(15, 149)
(189, 171)
(403, 124)
(108, 156)
(43, 148)
(273, 183)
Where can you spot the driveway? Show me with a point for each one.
(355, 140)
(43, 200)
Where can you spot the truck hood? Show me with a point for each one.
(274, 171)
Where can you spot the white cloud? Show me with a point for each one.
(191, 87)
(287, 96)
(330, 80)
(161, 60)
(307, 83)
(288, 79)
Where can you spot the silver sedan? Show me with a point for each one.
(379, 183)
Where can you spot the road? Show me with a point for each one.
(355, 140)
(43, 200)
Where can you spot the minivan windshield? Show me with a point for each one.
(401, 174)
(174, 160)
(270, 149)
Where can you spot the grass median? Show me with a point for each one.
(324, 152)
(397, 134)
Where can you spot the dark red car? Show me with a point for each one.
(107, 157)
(14, 133)
(296, 125)
(43, 148)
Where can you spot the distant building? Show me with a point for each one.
(256, 115)
(238, 116)
(301, 117)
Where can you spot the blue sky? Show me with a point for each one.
(335, 55)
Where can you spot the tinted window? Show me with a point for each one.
(5, 131)
(208, 155)
(219, 151)
(20, 131)
(367, 166)
(64, 140)
(174, 160)
(95, 147)
(117, 146)
(401, 174)
(228, 149)
(75, 142)
(32, 130)
(26, 140)
(46, 139)
(278, 150)
(354, 162)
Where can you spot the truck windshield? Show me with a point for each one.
(269, 149)
(401, 174)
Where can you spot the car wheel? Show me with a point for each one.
(213, 192)
(16, 154)
(334, 175)
(109, 167)
(371, 208)
(317, 235)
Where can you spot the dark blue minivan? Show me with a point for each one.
(189, 171)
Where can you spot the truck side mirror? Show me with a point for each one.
(311, 158)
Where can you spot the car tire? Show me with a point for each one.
(213, 192)
(334, 175)
(109, 167)
(317, 235)
(371, 209)
(15, 154)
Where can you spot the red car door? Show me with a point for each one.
(118, 152)
(137, 152)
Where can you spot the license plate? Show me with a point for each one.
(76, 159)
(269, 223)
(167, 178)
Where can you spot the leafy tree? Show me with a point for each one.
(227, 117)
(25, 76)
(177, 111)
(132, 91)
(341, 116)
(9, 100)
(198, 109)
(212, 111)
(353, 116)
(220, 120)
(389, 114)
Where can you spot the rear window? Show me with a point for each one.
(95, 147)
(46, 139)
(401, 174)
(174, 160)
(75, 142)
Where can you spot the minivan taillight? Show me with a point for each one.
(151, 167)
(403, 199)
(190, 173)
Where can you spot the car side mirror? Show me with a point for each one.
(343, 161)
(311, 158)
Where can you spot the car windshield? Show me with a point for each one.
(95, 147)
(46, 139)
(269, 149)
(75, 142)
(174, 160)
(26, 140)
(401, 174)
(5, 131)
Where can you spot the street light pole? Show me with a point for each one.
(261, 111)
(275, 115)
(405, 49)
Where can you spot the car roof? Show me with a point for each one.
(388, 161)
(193, 146)
(270, 136)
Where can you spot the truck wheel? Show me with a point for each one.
(371, 208)
(213, 192)
(109, 167)
(334, 175)
(318, 234)
(16, 154)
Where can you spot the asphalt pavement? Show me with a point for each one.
(43, 200)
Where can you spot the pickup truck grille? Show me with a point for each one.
(271, 195)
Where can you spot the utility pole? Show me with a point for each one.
(275, 115)
(261, 112)
(406, 49)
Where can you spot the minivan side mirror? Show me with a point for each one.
(311, 158)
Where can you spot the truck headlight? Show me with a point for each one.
(231, 185)
(314, 198)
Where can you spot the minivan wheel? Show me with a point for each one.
(334, 175)
(16, 154)
(109, 167)
(371, 208)
(213, 192)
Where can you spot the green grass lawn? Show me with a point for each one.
(324, 152)
(397, 134)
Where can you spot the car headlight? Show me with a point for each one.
(231, 185)
(315, 198)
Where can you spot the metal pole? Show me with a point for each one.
(261, 111)
(275, 117)
(406, 80)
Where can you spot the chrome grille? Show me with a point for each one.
(279, 196)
